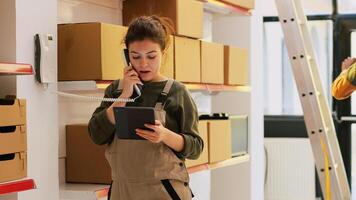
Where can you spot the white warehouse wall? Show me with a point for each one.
(38, 16)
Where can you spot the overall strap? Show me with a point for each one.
(163, 96)
(120, 87)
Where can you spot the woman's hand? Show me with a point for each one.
(159, 134)
(130, 79)
(347, 63)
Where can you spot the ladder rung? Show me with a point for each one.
(349, 118)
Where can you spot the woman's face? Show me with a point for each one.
(145, 57)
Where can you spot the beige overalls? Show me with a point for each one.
(142, 170)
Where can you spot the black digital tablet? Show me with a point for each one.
(127, 119)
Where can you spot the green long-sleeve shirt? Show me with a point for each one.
(181, 116)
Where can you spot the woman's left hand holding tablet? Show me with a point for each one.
(157, 133)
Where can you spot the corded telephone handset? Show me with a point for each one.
(45, 62)
(127, 63)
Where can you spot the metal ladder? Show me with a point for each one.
(317, 114)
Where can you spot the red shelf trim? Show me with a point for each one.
(216, 87)
(15, 68)
(232, 7)
(17, 186)
(102, 193)
(198, 168)
(236, 8)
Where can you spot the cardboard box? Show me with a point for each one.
(85, 161)
(204, 156)
(13, 166)
(186, 15)
(187, 59)
(12, 112)
(219, 134)
(13, 139)
(249, 4)
(90, 51)
(235, 66)
(167, 67)
(212, 63)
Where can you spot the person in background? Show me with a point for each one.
(345, 83)
(153, 168)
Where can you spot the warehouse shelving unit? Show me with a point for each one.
(200, 172)
(20, 49)
(15, 186)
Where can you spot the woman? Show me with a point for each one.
(153, 168)
(345, 83)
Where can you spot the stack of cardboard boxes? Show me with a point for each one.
(93, 51)
(13, 142)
